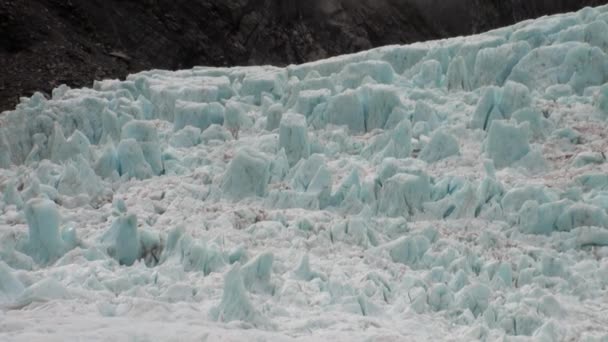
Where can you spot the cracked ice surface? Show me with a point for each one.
(448, 190)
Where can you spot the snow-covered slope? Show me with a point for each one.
(450, 190)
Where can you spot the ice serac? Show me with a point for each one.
(45, 244)
(458, 75)
(353, 74)
(235, 305)
(199, 115)
(256, 273)
(247, 175)
(293, 137)
(403, 195)
(500, 103)
(10, 286)
(346, 109)
(131, 160)
(146, 136)
(441, 146)
(122, 239)
(506, 143)
(602, 101)
(5, 153)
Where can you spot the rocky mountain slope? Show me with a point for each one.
(45, 43)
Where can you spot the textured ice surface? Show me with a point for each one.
(449, 190)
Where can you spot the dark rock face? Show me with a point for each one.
(44, 43)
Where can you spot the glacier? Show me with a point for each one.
(445, 190)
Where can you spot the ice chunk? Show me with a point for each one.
(144, 132)
(273, 116)
(11, 195)
(321, 185)
(309, 99)
(593, 181)
(10, 286)
(497, 104)
(256, 273)
(248, 175)
(440, 297)
(494, 65)
(206, 258)
(131, 160)
(287, 199)
(293, 137)
(403, 58)
(514, 96)
(304, 271)
(271, 81)
(62, 149)
(592, 236)
(602, 101)
(187, 137)
(217, 133)
(583, 67)
(516, 197)
(354, 231)
(397, 115)
(378, 101)
(595, 34)
(353, 74)
(45, 290)
(430, 75)
(5, 152)
(235, 305)
(403, 195)
(579, 215)
(45, 244)
(425, 113)
(110, 125)
(441, 146)
(349, 183)
(235, 117)
(122, 239)
(506, 143)
(541, 67)
(346, 109)
(487, 110)
(107, 164)
(408, 250)
(539, 126)
(200, 115)
(399, 145)
(459, 204)
(458, 75)
(540, 219)
(474, 297)
(558, 91)
(586, 158)
(79, 178)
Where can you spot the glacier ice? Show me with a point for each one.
(45, 243)
(293, 137)
(247, 175)
(461, 182)
(10, 286)
(442, 145)
(200, 115)
(235, 304)
(123, 239)
(403, 195)
(506, 143)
